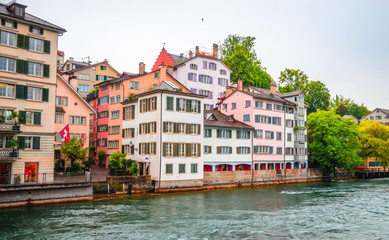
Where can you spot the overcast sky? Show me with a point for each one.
(344, 44)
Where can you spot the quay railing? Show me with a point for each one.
(9, 152)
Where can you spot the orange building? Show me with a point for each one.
(112, 92)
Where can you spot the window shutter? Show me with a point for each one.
(3, 21)
(147, 148)
(188, 148)
(45, 94)
(218, 150)
(25, 67)
(20, 41)
(237, 134)
(177, 104)
(15, 25)
(198, 129)
(269, 120)
(199, 106)
(209, 149)
(19, 91)
(97, 77)
(175, 149)
(255, 134)
(46, 70)
(218, 81)
(22, 118)
(122, 148)
(238, 150)
(199, 77)
(30, 29)
(198, 150)
(255, 149)
(272, 135)
(230, 150)
(46, 46)
(22, 142)
(41, 31)
(37, 118)
(273, 120)
(189, 76)
(188, 105)
(27, 42)
(249, 135)
(175, 127)
(36, 143)
(229, 133)
(187, 129)
(210, 95)
(210, 80)
(271, 150)
(164, 127)
(20, 66)
(248, 150)
(218, 133)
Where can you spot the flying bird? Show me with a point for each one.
(202, 19)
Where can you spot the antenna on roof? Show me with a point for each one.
(163, 45)
(86, 58)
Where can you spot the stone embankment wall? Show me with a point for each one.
(130, 183)
(20, 195)
(236, 177)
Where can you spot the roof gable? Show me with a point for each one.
(164, 58)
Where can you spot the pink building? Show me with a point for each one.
(266, 113)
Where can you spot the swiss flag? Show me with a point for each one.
(65, 133)
(82, 138)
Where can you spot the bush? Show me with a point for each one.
(75, 167)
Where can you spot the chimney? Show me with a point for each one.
(71, 58)
(197, 50)
(190, 54)
(162, 73)
(240, 84)
(181, 55)
(170, 70)
(273, 87)
(215, 53)
(142, 68)
(228, 91)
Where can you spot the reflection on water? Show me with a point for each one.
(343, 210)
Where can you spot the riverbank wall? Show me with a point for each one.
(26, 194)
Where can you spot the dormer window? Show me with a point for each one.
(19, 11)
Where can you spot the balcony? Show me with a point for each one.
(9, 127)
(9, 153)
(300, 158)
(92, 95)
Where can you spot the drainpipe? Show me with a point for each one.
(160, 144)
(284, 141)
(252, 157)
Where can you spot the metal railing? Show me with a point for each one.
(9, 127)
(9, 152)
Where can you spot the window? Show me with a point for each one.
(205, 64)
(205, 93)
(194, 150)
(169, 149)
(115, 114)
(289, 137)
(378, 117)
(128, 132)
(102, 128)
(223, 72)
(113, 144)
(8, 39)
(104, 88)
(148, 104)
(156, 75)
(169, 103)
(246, 118)
(8, 24)
(129, 112)
(193, 66)
(77, 120)
(248, 103)
(84, 77)
(278, 136)
(276, 120)
(205, 79)
(207, 149)
(169, 168)
(101, 78)
(181, 104)
(262, 119)
(181, 168)
(224, 106)
(168, 127)
(212, 66)
(83, 88)
(7, 64)
(34, 93)
(114, 130)
(208, 133)
(279, 150)
(103, 68)
(35, 45)
(117, 86)
(243, 134)
(7, 114)
(242, 150)
(224, 133)
(193, 168)
(258, 104)
(155, 86)
(59, 117)
(35, 69)
(289, 123)
(268, 106)
(103, 114)
(192, 76)
(233, 106)
(61, 101)
(269, 135)
(134, 85)
(258, 133)
(28, 143)
(224, 150)
(263, 150)
(277, 107)
(7, 90)
(103, 100)
(181, 127)
(223, 81)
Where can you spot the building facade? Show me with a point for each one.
(380, 115)
(227, 143)
(162, 131)
(28, 65)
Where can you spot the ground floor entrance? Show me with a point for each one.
(5, 173)
(30, 172)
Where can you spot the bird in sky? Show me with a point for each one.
(202, 19)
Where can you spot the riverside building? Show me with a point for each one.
(28, 65)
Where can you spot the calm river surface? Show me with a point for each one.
(355, 209)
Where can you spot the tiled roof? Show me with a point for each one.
(221, 120)
(386, 111)
(30, 18)
(289, 94)
(188, 59)
(270, 97)
(59, 109)
(176, 58)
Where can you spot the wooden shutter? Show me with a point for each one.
(46, 70)
(177, 104)
(164, 127)
(175, 149)
(237, 150)
(46, 46)
(15, 25)
(147, 148)
(248, 150)
(155, 148)
(249, 135)
(271, 150)
(20, 41)
(22, 142)
(218, 133)
(3, 21)
(198, 129)
(175, 127)
(36, 143)
(188, 148)
(230, 150)
(187, 128)
(229, 133)
(37, 118)
(45, 94)
(30, 29)
(199, 106)
(209, 149)
(41, 31)
(21, 92)
(272, 135)
(26, 42)
(22, 118)
(20, 66)
(164, 149)
(198, 150)
(238, 134)
(218, 150)
(188, 105)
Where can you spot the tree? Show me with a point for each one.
(238, 54)
(292, 80)
(117, 161)
(356, 110)
(317, 96)
(342, 110)
(333, 142)
(74, 152)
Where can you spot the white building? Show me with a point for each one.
(227, 143)
(162, 131)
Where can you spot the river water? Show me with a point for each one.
(353, 209)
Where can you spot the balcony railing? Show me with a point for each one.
(9, 153)
(9, 127)
(92, 95)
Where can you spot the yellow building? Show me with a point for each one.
(28, 65)
(82, 76)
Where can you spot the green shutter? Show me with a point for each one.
(237, 134)
(177, 104)
(188, 105)
(27, 42)
(37, 118)
(3, 21)
(97, 77)
(46, 70)
(45, 94)
(22, 117)
(198, 150)
(198, 129)
(22, 142)
(20, 41)
(21, 66)
(199, 106)
(19, 92)
(36, 143)
(46, 46)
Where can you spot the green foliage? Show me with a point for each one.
(333, 142)
(74, 152)
(94, 90)
(74, 168)
(131, 96)
(292, 80)
(342, 110)
(356, 110)
(118, 161)
(101, 154)
(133, 170)
(14, 143)
(238, 54)
(317, 96)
